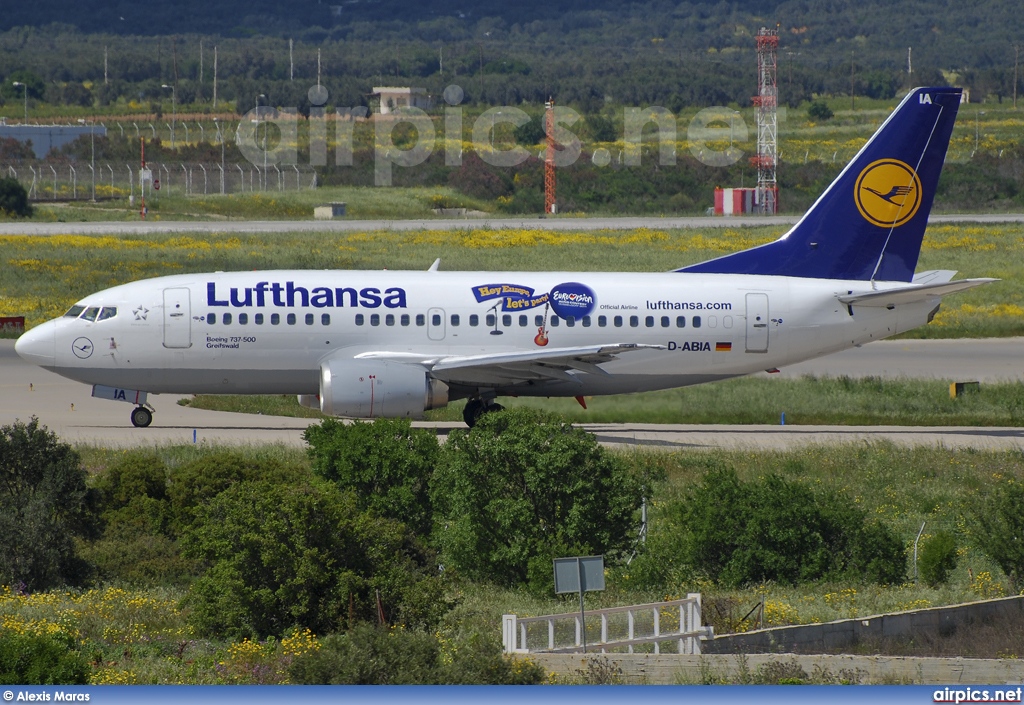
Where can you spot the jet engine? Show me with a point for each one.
(364, 388)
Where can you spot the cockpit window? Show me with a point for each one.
(91, 313)
(74, 312)
(107, 312)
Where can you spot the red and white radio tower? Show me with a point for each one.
(767, 102)
(549, 159)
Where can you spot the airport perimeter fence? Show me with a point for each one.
(46, 181)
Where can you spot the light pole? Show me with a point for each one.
(92, 166)
(24, 86)
(976, 117)
(217, 124)
(174, 112)
(264, 97)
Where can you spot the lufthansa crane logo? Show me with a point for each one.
(888, 193)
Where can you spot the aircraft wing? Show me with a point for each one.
(911, 294)
(506, 367)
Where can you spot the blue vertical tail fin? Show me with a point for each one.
(869, 223)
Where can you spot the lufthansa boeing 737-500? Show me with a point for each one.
(397, 343)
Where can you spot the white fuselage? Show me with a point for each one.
(269, 331)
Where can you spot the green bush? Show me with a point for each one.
(999, 529)
(44, 507)
(33, 659)
(278, 556)
(14, 198)
(819, 110)
(771, 529)
(521, 488)
(387, 463)
(372, 655)
(938, 558)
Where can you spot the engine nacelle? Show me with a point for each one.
(375, 388)
(310, 401)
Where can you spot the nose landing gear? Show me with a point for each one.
(142, 417)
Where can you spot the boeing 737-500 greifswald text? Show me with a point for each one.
(391, 343)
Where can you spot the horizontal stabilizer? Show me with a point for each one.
(911, 294)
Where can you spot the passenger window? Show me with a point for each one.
(455, 319)
(227, 319)
(291, 319)
(727, 321)
(506, 320)
(696, 321)
(275, 319)
(107, 312)
(243, 319)
(211, 318)
(618, 321)
(91, 313)
(665, 322)
(554, 321)
(74, 312)
(310, 319)
(421, 320)
(258, 318)
(649, 321)
(586, 321)
(570, 321)
(435, 319)
(389, 320)
(634, 321)
(602, 321)
(712, 321)
(405, 319)
(474, 320)
(680, 321)
(325, 319)
(490, 319)
(359, 319)
(524, 321)
(538, 321)
(374, 319)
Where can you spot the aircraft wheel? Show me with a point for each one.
(141, 417)
(476, 408)
(472, 412)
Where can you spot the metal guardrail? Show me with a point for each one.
(621, 628)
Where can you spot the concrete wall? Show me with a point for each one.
(815, 638)
(672, 668)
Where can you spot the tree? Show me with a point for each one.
(819, 110)
(278, 556)
(521, 488)
(14, 198)
(387, 463)
(999, 529)
(774, 529)
(44, 506)
(938, 558)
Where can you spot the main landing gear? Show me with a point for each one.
(476, 408)
(142, 417)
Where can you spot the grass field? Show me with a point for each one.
(748, 400)
(42, 276)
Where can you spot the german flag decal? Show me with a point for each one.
(723, 347)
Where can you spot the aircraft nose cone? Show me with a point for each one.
(38, 345)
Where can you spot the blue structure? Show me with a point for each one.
(46, 137)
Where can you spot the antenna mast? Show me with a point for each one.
(549, 159)
(767, 101)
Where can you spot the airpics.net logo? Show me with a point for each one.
(269, 137)
(887, 193)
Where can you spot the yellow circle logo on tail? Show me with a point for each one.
(888, 193)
